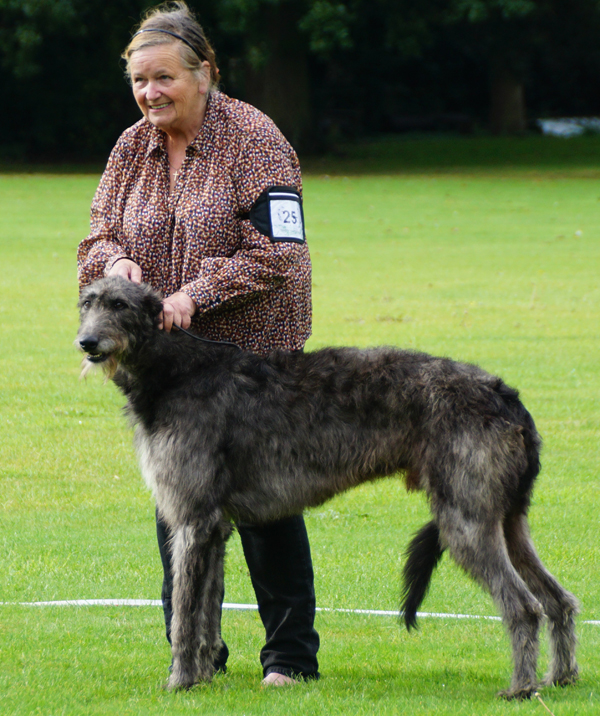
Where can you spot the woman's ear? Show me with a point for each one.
(204, 82)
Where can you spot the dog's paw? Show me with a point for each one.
(205, 674)
(518, 693)
(180, 682)
(563, 678)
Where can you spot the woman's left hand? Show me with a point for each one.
(178, 310)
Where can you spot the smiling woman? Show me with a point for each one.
(175, 209)
(170, 96)
(171, 78)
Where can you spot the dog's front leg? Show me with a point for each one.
(198, 585)
(210, 602)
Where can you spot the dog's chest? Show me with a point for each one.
(149, 449)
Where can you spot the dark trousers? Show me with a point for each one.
(280, 565)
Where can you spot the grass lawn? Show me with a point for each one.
(482, 250)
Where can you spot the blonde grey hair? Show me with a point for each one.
(187, 35)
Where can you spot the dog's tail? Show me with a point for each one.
(423, 553)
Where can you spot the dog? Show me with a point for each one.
(224, 435)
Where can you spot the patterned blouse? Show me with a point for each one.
(247, 289)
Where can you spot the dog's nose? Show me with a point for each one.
(88, 343)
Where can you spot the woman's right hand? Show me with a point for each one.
(127, 269)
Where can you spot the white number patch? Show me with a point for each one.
(286, 219)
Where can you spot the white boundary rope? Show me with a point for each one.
(251, 607)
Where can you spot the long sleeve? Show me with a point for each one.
(103, 246)
(258, 264)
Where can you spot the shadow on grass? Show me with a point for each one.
(54, 168)
(418, 153)
(406, 153)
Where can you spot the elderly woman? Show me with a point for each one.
(179, 207)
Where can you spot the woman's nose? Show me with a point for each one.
(152, 91)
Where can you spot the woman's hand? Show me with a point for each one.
(127, 269)
(178, 310)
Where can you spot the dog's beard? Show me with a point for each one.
(109, 366)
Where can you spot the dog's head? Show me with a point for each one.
(116, 315)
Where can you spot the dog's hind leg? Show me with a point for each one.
(479, 547)
(559, 605)
(197, 555)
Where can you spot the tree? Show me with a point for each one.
(289, 49)
(502, 27)
(320, 68)
(61, 70)
(514, 34)
(276, 39)
(272, 61)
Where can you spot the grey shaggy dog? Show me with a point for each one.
(224, 435)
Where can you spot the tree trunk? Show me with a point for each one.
(507, 102)
(279, 86)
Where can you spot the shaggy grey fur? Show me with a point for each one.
(224, 435)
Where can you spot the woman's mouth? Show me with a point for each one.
(158, 107)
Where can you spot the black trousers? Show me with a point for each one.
(280, 564)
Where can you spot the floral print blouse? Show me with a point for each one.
(195, 239)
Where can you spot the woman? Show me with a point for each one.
(177, 208)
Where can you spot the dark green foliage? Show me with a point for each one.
(61, 70)
(323, 69)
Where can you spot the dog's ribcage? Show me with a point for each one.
(305, 427)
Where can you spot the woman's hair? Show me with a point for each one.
(175, 24)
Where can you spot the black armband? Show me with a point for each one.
(277, 213)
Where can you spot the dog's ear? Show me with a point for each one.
(152, 305)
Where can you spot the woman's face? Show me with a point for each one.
(170, 96)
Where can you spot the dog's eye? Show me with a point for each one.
(85, 305)
(119, 305)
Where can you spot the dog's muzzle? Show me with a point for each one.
(89, 344)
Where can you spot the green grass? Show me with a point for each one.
(487, 252)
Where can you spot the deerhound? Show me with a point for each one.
(225, 435)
